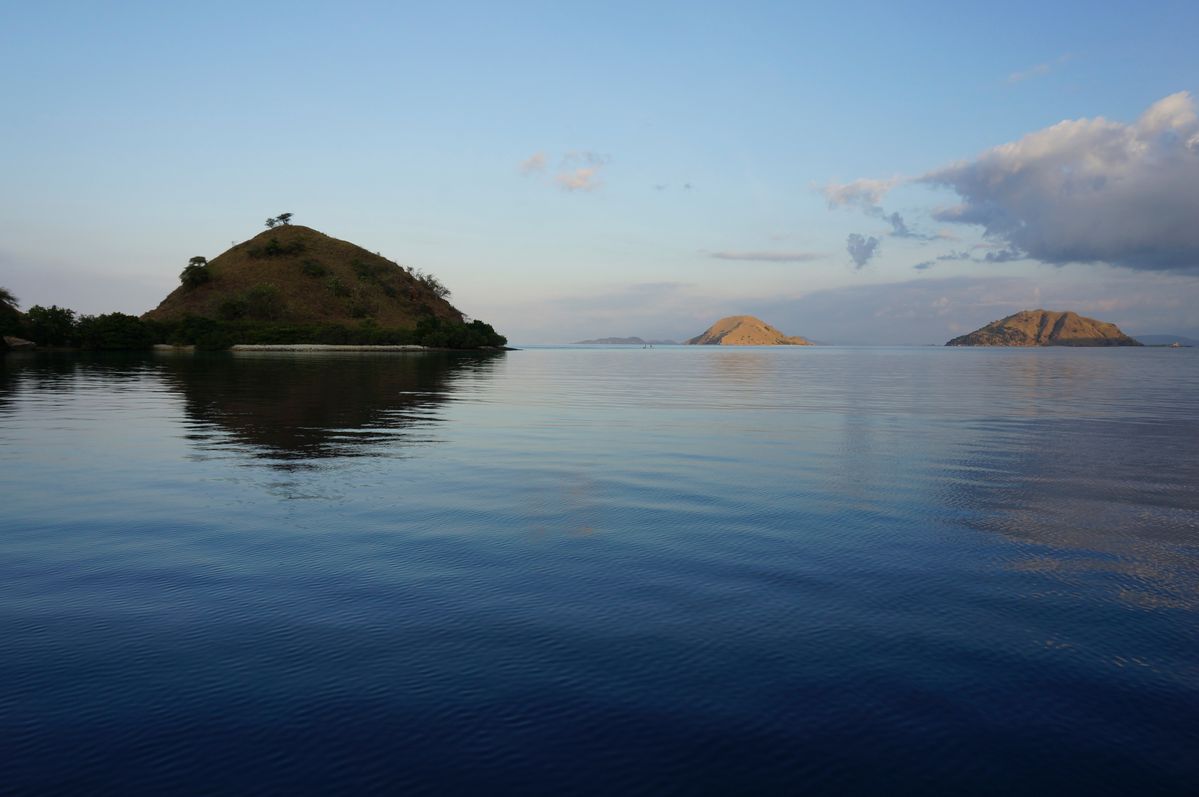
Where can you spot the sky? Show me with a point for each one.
(853, 172)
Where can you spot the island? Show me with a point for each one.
(745, 330)
(625, 342)
(1046, 328)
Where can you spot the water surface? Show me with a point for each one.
(579, 570)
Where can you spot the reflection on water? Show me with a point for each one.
(864, 571)
(316, 405)
(1113, 497)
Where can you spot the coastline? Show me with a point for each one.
(324, 347)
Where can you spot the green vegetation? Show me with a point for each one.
(251, 318)
(207, 333)
(373, 301)
(114, 332)
(50, 326)
(275, 249)
(365, 271)
(313, 268)
(361, 303)
(337, 287)
(430, 282)
(195, 273)
(10, 315)
(260, 303)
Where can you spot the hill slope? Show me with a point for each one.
(297, 275)
(745, 330)
(1045, 328)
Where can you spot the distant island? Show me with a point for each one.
(1046, 328)
(745, 330)
(1167, 340)
(625, 342)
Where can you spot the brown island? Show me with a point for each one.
(1046, 328)
(745, 330)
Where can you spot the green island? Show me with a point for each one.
(290, 285)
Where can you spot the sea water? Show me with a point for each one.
(601, 570)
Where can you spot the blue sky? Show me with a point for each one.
(578, 171)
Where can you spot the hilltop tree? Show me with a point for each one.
(271, 222)
(284, 218)
(196, 273)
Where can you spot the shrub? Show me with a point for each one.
(50, 326)
(115, 331)
(264, 303)
(432, 331)
(232, 309)
(429, 281)
(361, 303)
(337, 287)
(275, 249)
(313, 268)
(10, 316)
(363, 270)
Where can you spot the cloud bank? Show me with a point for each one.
(769, 257)
(1090, 191)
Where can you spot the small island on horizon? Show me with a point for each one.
(633, 341)
(745, 330)
(1046, 328)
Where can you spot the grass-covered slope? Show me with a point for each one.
(298, 276)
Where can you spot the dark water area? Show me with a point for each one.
(588, 570)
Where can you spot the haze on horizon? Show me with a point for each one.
(875, 174)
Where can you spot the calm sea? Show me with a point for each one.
(586, 570)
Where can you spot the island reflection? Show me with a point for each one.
(302, 406)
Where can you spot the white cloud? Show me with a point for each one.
(1090, 190)
(1038, 70)
(578, 170)
(584, 178)
(866, 194)
(533, 164)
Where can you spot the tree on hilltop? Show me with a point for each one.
(196, 272)
(284, 218)
(271, 222)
